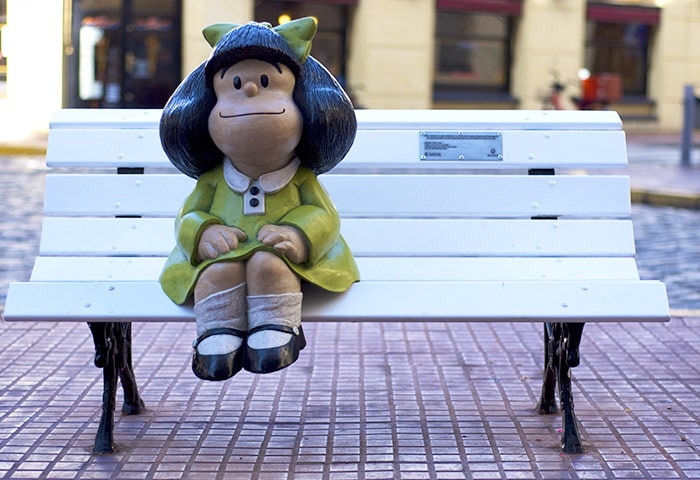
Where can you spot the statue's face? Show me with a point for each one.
(255, 121)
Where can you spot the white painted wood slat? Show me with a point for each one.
(366, 237)
(377, 119)
(372, 148)
(436, 119)
(112, 195)
(364, 195)
(487, 196)
(574, 301)
(79, 118)
(105, 148)
(387, 149)
(139, 269)
(530, 139)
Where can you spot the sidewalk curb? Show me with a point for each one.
(16, 150)
(688, 201)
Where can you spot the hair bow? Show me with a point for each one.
(298, 34)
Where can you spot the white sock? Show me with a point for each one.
(222, 309)
(282, 309)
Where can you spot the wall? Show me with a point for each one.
(33, 45)
(675, 60)
(198, 14)
(550, 38)
(390, 62)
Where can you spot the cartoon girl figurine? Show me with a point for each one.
(255, 124)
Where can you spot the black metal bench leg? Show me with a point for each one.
(105, 358)
(548, 402)
(574, 332)
(113, 355)
(561, 353)
(570, 442)
(569, 345)
(133, 404)
(103, 342)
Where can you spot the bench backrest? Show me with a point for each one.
(387, 141)
(398, 144)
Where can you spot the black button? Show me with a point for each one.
(254, 202)
(254, 190)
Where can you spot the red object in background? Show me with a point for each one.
(602, 88)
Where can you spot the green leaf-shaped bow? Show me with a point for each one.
(298, 34)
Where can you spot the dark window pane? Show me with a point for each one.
(622, 49)
(329, 43)
(127, 53)
(472, 51)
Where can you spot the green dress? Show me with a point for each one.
(298, 200)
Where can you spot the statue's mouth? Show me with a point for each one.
(252, 113)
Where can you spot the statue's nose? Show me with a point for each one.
(250, 89)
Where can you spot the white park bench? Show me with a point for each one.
(503, 216)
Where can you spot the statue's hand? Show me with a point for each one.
(217, 240)
(286, 240)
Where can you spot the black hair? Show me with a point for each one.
(329, 118)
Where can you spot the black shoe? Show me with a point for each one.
(219, 366)
(268, 360)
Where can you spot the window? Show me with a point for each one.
(617, 42)
(473, 53)
(328, 46)
(622, 49)
(127, 55)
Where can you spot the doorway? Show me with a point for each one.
(122, 53)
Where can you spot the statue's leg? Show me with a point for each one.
(133, 404)
(548, 403)
(570, 440)
(221, 319)
(106, 352)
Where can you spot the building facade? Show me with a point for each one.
(388, 53)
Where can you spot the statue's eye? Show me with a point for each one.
(264, 81)
(237, 82)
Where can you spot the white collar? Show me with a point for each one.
(269, 182)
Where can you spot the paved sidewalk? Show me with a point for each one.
(365, 401)
(656, 174)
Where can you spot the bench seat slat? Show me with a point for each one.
(366, 237)
(86, 269)
(539, 301)
(364, 195)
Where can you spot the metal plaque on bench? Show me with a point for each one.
(461, 146)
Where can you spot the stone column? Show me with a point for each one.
(197, 14)
(390, 54)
